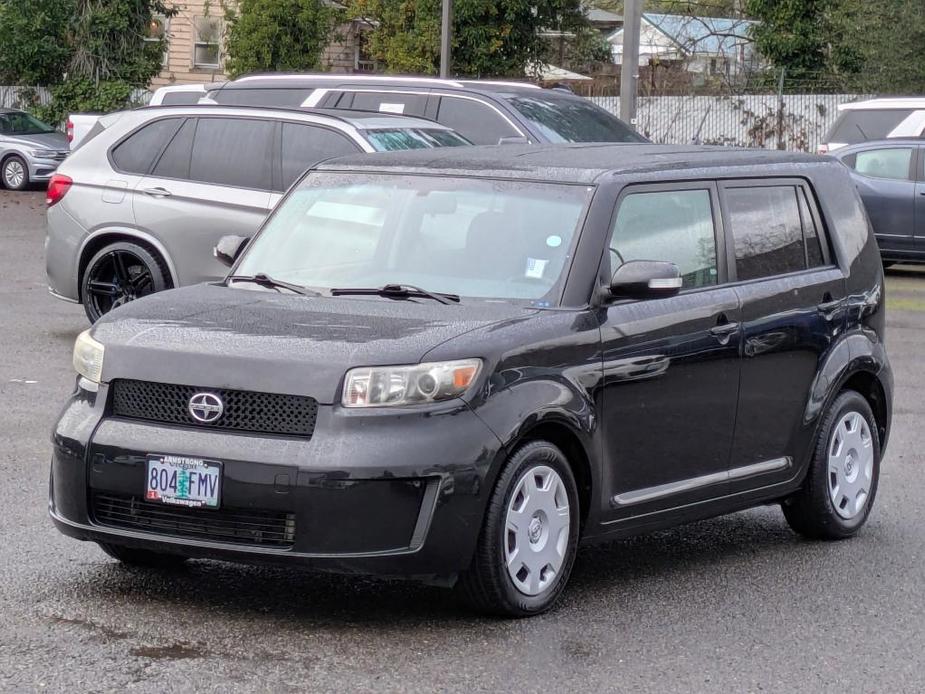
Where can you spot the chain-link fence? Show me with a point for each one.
(794, 121)
(23, 97)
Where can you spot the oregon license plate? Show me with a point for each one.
(192, 482)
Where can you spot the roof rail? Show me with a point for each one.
(348, 78)
(503, 83)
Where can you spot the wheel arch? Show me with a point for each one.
(565, 437)
(103, 237)
(858, 362)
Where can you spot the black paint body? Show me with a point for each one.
(663, 420)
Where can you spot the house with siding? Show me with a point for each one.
(195, 47)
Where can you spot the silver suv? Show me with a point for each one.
(140, 206)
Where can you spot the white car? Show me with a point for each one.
(79, 125)
(876, 119)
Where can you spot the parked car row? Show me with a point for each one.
(177, 178)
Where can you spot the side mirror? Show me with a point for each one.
(646, 279)
(228, 249)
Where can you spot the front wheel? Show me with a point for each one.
(840, 486)
(15, 173)
(529, 537)
(119, 273)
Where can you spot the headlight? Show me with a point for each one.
(409, 385)
(44, 153)
(88, 357)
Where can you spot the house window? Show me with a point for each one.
(158, 29)
(364, 60)
(207, 44)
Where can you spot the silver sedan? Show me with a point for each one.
(30, 150)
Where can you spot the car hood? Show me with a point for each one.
(55, 141)
(211, 336)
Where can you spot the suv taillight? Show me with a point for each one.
(58, 186)
(70, 130)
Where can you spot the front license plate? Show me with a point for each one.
(192, 482)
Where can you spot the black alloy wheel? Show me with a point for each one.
(118, 274)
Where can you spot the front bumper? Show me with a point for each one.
(41, 170)
(397, 494)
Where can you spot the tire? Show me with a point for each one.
(487, 584)
(119, 273)
(142, 557)
(15, 173)
(833, 505)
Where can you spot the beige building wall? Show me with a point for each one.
(191, 24)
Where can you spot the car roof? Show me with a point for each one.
(884, 104)
(361, 120)
(331, 81)
(571, 163)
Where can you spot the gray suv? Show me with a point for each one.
(30, 150)
(140, 206)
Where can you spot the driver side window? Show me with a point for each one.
(672, 225)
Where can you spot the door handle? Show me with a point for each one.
(157, 192)
(723, 329)
(829, 306)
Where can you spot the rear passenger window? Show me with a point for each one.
(767, 229)
(477, 122)
(233, 152)
(136, 153)
(306, 145)
(174, 162)
(894, 163)
(676, 226)
(814, 254)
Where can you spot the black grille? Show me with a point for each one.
(235, 526)
(264, 413)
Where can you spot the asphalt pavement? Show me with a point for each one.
(734, 604)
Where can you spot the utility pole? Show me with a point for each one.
(632, 25)
(446, 38)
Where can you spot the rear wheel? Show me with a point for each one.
(119, 273)
(841, 483)
(529, 537)
(15, 173)
(142, 557)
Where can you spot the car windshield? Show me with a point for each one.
(853, 127)
(388, 140)
(21, 123)
(473, 237)
(573, 119)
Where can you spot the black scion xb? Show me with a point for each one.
(460, 365)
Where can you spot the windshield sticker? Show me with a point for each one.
(391, 108)
(535, 268)
(553, 241)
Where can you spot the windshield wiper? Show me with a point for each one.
(398, 291)
(265, 280)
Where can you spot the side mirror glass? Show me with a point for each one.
(646, 279)
(228, 249)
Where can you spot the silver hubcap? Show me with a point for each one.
(14, 174)
(851, 465)
(536, 530)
